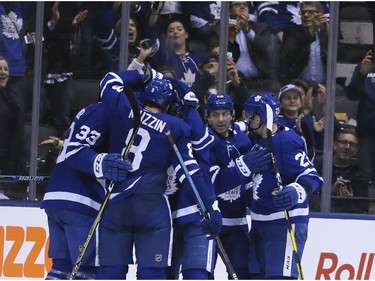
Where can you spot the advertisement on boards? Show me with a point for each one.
(339, 249)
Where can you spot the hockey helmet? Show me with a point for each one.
(256, 104)
(219, 102)
(160, 92)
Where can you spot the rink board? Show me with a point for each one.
(338, 247)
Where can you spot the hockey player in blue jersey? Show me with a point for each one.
(229, 145)
(138, 213)
(74, 193)
(221, 147)
(193, 252)
(271, 251)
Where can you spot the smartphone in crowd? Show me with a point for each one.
(146, 44)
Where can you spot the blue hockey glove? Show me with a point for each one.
(185, 96)
(190, 99)
(291, 195)
(212, 225)
(111, 166)
(255, 160)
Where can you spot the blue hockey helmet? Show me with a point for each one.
(256, 104)
(219, 102)
(160, 91)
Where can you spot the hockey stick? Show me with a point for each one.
(280, 188)
(202, 207)
(23, 178)
(137, 122)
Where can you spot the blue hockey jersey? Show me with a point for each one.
(231, 199)
(11, 36)
(294, 166)
(151, 153)
(182, 200)
(218, 154)
(280, 15)
(73, 184)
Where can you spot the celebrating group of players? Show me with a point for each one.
(177, 205)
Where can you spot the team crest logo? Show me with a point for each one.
(12, 24)
(257, 180)
(296, 18)
(171, 182)
(158, 257)
(231, 195)
(189, 76)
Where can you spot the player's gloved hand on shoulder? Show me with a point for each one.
(111, 166)
(255, 160)
(291, 195)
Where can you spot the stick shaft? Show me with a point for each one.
(280, 186)
(137, 123)
(23, 178)
(202, 207)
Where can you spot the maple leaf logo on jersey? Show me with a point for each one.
(189, 77)
(171, 182)
(296, 18)
(231, 195)
(11, 25)
(257, 180)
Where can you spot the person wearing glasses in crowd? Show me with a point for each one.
(256, 62)
(304, 47)
(348, 177)
(361, 88)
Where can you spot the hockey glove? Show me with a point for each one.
(212, 225)
(185, 96)
(253, 161)
(111, 166)
(291, 195)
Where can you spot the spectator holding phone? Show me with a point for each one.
(12, 31)
(207, 83)
(174, 50)
(362, 88)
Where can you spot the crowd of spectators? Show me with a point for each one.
(279, 47)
